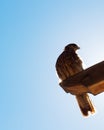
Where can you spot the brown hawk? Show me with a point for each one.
(68, 64)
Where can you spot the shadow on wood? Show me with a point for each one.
(90, 80)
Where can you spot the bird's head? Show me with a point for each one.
(72, 46)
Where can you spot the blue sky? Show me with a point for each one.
(33, 34)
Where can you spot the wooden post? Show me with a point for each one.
(90, 80)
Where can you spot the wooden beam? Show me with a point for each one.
(90, 80)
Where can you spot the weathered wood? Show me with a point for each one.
(90, 80)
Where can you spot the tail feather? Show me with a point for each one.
(85, 104)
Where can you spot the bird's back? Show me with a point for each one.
(68, 64)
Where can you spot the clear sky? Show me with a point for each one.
(33, 34)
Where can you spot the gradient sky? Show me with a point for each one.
(33, 34)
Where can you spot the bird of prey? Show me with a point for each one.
(68, 64)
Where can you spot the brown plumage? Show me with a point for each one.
(68, 64)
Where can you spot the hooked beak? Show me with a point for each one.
(78, 47)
